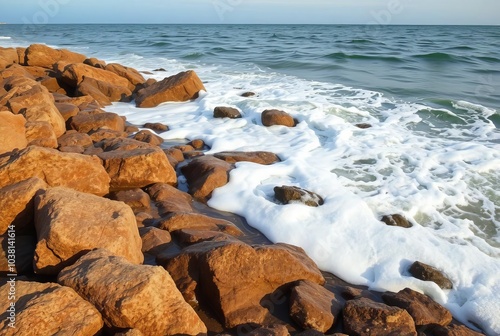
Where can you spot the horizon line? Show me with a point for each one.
(268, 24)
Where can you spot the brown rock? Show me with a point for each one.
(175, 153)
(181, 87)
(9, 55)
(148, 137)
(129, 332)
(39, 72)
(157, 127)
(84, 122)
(425, 272)
(15, 70)
(53, 85)
(102, 91)
(363, 125)
(184, 148)
(422, 309)
(277, 117)
(12, 132)
(48, 309)
(137, 199)
(234, 277)
(67, 110)
(273, 330)
(264, 158)
(20, 55)
(132, 296)
(180, 220)
(314, 307)
(248, 94)
(130, 129)
(40, 133)
(289, 194)
(73, 75)
(174, 205)
(154, 240)
(396, 220)
(66, 230)
(96, 63)
(366, 317)
(453, 330)
(122, 144)
(25, 250)
(226, 112)
(45, 57)
(17, 204)
(105, 134)
(197, 144)
(132, 75)
(162, 192)
(79, 172)
(194, 236)
(72, 149)
(74, 138)
(192, 154)
(204, 174)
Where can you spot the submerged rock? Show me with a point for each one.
(226, 112)
(428, 273)
(396, 220)
(290, 194)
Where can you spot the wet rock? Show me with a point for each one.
(66, 230)
(181, 87)
(73, 75)
(194, 236)
(136, 199)
(74, 138)
(363, 126)
(272, 330)
(45, 57)
(160, 69)
(197, 144)
(163, 191)
(452, 330)
(264, 158)
(365, 317)
(96, 63)
(48, 309)
(396, 220)
(426, 272)
(102, 91)
(148, 137)
(79, 172)
(41, 133)
(204, 174)
(226, 112)
(314, 307)
(174, 153)
(25, 250)
(157, 127)
(290, 194)
(277, 117)
(132, 296)
(192, 154)
(181, 220)
(132, 75)
(129, 332)
(84, 122)
(248, 94)
(154, 240)
(17, 204)
(422, 309)
(12, 131)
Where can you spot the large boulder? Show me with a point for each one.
(132, 296)
(182, 220)
(73, 74)
(24, 252)
(41, 133)
(17, 204)
(234, 277)
(314, 307)
(9, 55)
(422, 308)
(364, 317)
(204, 174)
(137, 199)
(132, 75)
(45, 57)
(79, 172)
(181, 87)
(46, 309)
(277, 117)
(66, 230)
(12, 131)
(102, 91)
(264, 158)
(86, 122)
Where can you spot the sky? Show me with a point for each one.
(485, 12)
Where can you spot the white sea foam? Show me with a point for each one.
(5, 37)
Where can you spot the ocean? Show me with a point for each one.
(431, 94)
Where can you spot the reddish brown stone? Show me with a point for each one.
(45, 57)
(96, 63)
(137, 199)
(396, 220)
(277, 117)
(290, 194)
(157, 127)
(41, 133)
(85, 123)
(12, 132)
(149, 137)
(194, 236)
(132, 75)
(180, 220)
(154, 240)
(74, 138)
(453, 330)
(264, 158)
(102, 91)
(73, 75)
(428, 273)
(105, 134)
(226, 112)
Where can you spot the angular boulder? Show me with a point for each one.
(157, 127)
(181, 87)
(80, 172)
(66, 230)
(45, 57)
(132, 296)
(277, 117)
(73, 75)
(86, 122)
(154, 240)
(12, 131)
(182, 220)
(264, 158)
(41, 133)
(291, 194)
(48, 309)
(132, 75)
(426, 272)
(74, 138)
(148, 137)
(136, 199)
(102, 91)
(453, 330)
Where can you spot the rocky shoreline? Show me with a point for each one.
(97, 238)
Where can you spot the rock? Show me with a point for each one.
(314, 307)
(277, 117)
(130, 129)
(453, 330)
(74, 138)
(248, 94)
(289, 194)
(96, 63)
(422, 309)
(175, 153)
(365, 317)
(66, 230)
(85, 123)
(136, 199)
(102, 91)
(154, 240)
(105, 134)
(396, 220)
(129, 332)
(45, 57)
(13, 132)
(194, 236)
(148, 137)
(73, 75)
(137, 168)
(122, 144)
(197, 144)
(25, 250)
(363, 126)
(163, 191)
(48, 309)
(181, 220)
(234, 277)
(39, 72)
(14, 70)
(192, 154)
(9, 55)
(264, 158)
(184, 148)
(132, 296)
(273, 330)
(67, 110)
(79, 172)
(204, 174)
(181, 87)
(21, 51)
(132, 75)
(54, 85)
(41, 133)
(226, 112)
(425, 272)
(17, 204)
(72, 149)
(160, 69)
(157, 127)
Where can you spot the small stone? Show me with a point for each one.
(136, 199)
(154, 240)
(363, 125)
(148, 137)
(396, 220)
(290, 194)
(277, 117)
(426, 272)
(248, 94)
(157, 127)
(226, 112)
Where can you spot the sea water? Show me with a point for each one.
(431, 94)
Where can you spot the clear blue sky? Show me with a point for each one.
(252, 11)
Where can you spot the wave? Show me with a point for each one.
(160, 44)
(344, 56)
(5, 37)
(193, 56)
(436, 56)
(489, 59)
